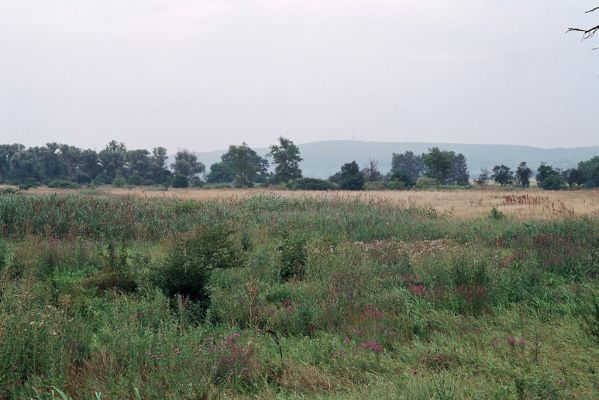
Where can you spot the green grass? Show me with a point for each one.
(380, 302)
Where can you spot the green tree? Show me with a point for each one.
(406, 167)
(158, 165)
(458, 174)
(590, 171)
(219, 173)
(286, 158)
(523, 174)
(113, 159)
(187, 164)
(438, 164)
(245, 165)
(573, 176)
(350, 177)
(543, 172)
(503, 175)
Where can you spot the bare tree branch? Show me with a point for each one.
(587, 33)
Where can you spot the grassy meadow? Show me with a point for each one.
(271, 296)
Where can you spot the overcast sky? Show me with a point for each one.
(203, 74)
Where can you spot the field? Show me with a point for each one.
(519, 204)
(205, 294)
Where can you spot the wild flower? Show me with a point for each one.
(371, 345)
(418, 290)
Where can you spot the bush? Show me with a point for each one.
(180, 181)
(187, 269)
(62, 184)
(311, 184)
(426, 183)
(553, 182)
(292, 257)
(119, 181)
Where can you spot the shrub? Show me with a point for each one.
(426, 183)
(292, 257)
(187, 268)
(496, 214)
(311, 184)
(553, 182)
(62, 184)
(3, 254)
(119, 181)
(180, 181)
(115, 274)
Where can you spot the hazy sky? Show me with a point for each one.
(202, 74)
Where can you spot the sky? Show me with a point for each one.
(203, 74)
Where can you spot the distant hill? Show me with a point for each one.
(322, 159)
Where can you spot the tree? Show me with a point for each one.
(350, 177)
(573, 176)
(406, 167)
(7, 151)
(219, 173)
(89, 166)
(371, 172)
(187, 164)
(590, 171)
(244, 165)
(483, 177)
(458, 174)
(543, 172)
(286, 158)
(502, 175)
(113, 159)
(523, 174)
(587, 33)
(158, 161)
(438, 164)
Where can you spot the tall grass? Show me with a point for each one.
(340, 299)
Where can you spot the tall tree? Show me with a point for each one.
(523, 174)
(371, 171)
(245, 165)
(158, 161)
(286, 158)
(407, 166)
(350, 177)
(503, 175)
(438, 164)
(458, 174)
(187, 164)
(113, 160)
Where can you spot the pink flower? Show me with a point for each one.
(372, 345)
(511, 341)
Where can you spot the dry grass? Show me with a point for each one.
(463, 204)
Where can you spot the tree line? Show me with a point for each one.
(61, 165)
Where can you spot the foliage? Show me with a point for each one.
(382, 301)
(523, 174)
(426, 182)
(180, 181)
(350, 177)
(292, 256)
(311, 184)
(186, 270)
(286, 158)
(186, 164)
(503, 175)
(62, 184)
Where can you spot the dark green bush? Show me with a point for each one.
(62, 184)
(311, 184)
(187, 268)
(292, 257)
(180, 181)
